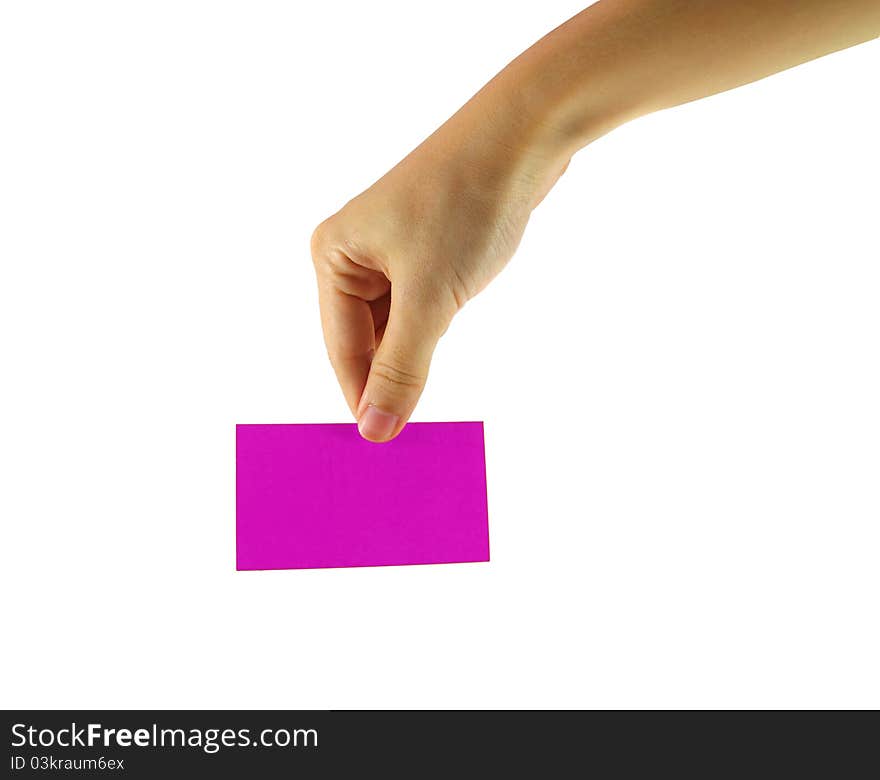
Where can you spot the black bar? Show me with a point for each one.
(205, 743)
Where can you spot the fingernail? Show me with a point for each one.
(376, 425)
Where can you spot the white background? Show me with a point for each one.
(678, 374)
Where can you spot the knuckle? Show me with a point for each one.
(397, 377)
(320, 241)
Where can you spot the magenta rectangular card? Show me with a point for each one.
(318, 496)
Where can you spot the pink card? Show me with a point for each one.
(318, 496)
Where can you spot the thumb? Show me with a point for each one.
(399, 368)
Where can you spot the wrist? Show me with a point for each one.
(565, 99)
(504, 144)
(523, 127)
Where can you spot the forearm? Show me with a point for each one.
(621, 59)
(397, 262)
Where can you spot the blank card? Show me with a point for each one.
(318, 496)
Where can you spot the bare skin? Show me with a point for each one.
(397, 262)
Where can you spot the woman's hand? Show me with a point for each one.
(399, 260)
